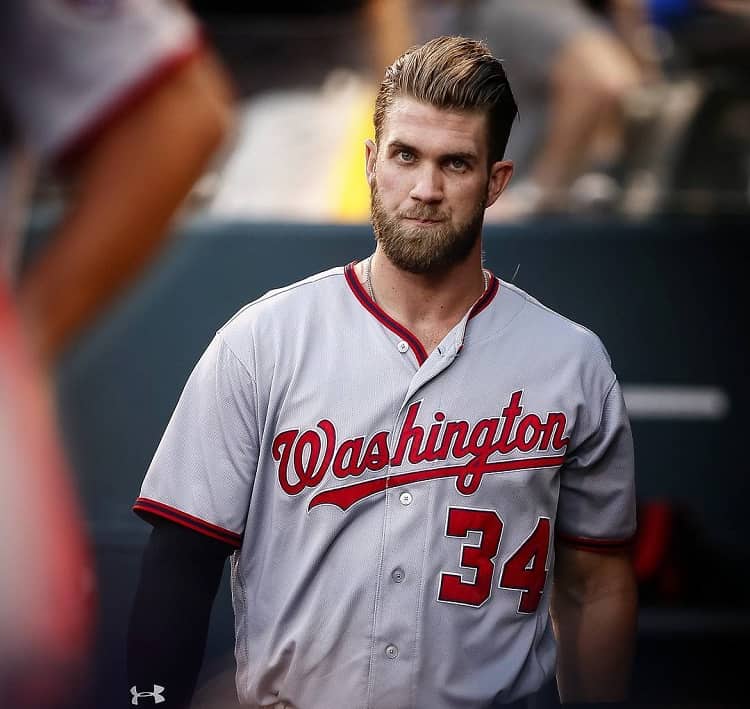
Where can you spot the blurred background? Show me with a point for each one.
(628, 212)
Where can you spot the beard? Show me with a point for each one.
(424, 249)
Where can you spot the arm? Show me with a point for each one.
(630, 18)
(179, 579)
(129, 182)
(391, 23)
(594, 606)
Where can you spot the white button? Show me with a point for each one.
(405, 498)
(398, 575)
(391, 651)
(403, 346)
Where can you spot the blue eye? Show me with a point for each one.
(405, 156)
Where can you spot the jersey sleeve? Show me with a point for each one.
(69, 67)
(202, 473)
(596, 510)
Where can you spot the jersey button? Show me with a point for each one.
(391, 651)
(398, 575)
(403, 346)
(405, 498)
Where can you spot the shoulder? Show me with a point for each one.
(288, 299)
(549, 346)
(284, 309)
(560, 357)
(558, 332)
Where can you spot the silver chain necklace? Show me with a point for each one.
(368, 279)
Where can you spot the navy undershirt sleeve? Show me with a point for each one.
(180, 575)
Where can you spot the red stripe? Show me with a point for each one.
(345, 497)
(487, 296)
(129, 98)
(143, 504)
(591, 544)
(370, 305)
(374, 309)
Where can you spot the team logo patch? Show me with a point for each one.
(502, 444)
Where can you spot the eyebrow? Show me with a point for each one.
(398, 145)
(467, 156)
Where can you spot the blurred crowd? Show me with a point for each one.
(636, 108)
(629, 107)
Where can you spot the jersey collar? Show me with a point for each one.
(404, 333)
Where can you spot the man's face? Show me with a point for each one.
(431, 180)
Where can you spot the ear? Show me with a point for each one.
(500, 174)
(371, 155)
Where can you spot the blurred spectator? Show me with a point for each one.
(607, 122)
(310, 98)
(688, 143)
(572, 65)
(126, 103)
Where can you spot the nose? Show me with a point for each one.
(428, 187)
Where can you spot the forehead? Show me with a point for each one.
(429, 128)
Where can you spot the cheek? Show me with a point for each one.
(465, 197)
(392, 187)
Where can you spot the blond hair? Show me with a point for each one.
(452, 73)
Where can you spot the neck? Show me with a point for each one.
(426, 300)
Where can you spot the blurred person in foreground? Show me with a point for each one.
(124, 102)
(573, 64)
(400, 455)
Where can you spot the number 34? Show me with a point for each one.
(525, 570)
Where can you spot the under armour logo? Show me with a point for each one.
(156, 695)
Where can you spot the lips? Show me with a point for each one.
(423, 220)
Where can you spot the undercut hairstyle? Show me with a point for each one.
(452, 73)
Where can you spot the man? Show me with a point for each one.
(395, 452)
(124, 102)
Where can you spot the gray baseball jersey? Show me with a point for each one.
(394, 514)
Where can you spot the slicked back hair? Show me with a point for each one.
(452, 73)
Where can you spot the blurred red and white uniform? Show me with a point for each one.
(67, 68)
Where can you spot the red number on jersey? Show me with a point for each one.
(526, 570)
(461, 521)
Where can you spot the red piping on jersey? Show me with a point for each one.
(144, 507)
(591, 544)
(129, 97)
(369, 304)
(492, 288)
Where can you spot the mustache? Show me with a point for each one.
(424, 213)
